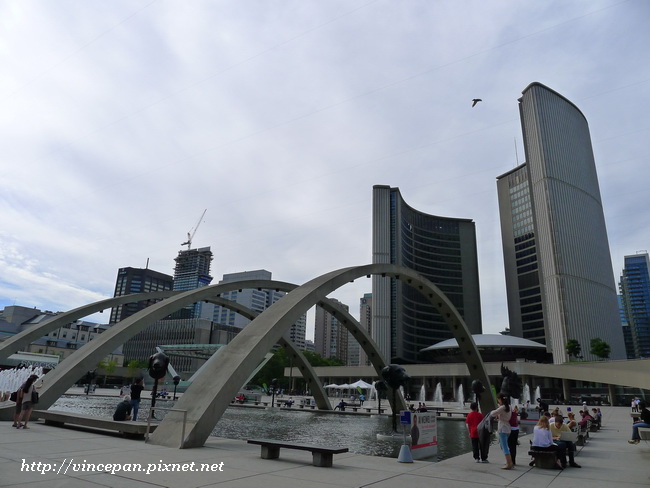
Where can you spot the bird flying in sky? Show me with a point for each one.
(475, 101)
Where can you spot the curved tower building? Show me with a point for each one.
(443, 250)
(559, 276)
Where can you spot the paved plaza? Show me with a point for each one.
(607, 460)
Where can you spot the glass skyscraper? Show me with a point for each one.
(192, 271)
(137, 280)
(635, 304)
(443, 250)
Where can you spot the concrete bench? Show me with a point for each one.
(543, 459)
(644, 433)
(370, 409)
(583, 435)
(127, 428)
(321, 455)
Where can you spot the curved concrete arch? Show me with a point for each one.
(349, 322)
(58, 380)
(27, 336)
(208, 396)
(307, 371)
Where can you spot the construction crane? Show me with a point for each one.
(190, 236)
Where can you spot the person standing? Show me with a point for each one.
(513, 438)
(474, 418)
(19, 408)
(136, 391)
(26, 397)
(503, 414)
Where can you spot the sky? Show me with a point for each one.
(122, 121)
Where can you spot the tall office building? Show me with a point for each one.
(559, 277)
(365, 319)
(137, 280)
(330, 336)
(441, 249)
(257, 300)
(192, 271)
(635, 304)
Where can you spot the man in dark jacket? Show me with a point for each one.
(123, 410)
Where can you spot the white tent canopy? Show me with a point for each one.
(360, 384)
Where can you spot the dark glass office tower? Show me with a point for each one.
(443, 250)
(635, 303)
(137, 280)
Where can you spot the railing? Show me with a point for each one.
(150, 416)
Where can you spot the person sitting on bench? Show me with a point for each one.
(597, 416)
(341, 406)
(557, 428)
(586, 418)
(571, 421)
(645, 422)
(543, 441)
(123, 410)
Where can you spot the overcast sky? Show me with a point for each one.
(121, 121)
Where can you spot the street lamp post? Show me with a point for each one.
(274, 384)
(158, 364)
(177, 380)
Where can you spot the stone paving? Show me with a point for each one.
(607, 461)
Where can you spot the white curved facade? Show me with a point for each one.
(578, 291)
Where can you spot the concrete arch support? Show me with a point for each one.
(57, 381)
(209, 395)
(318, 392)
(27, 336)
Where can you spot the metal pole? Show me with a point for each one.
(153, 397)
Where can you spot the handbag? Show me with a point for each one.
(34, 397)
(14, 396)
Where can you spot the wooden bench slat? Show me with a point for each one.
(321, 455)
(295, 445)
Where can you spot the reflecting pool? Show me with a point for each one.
(357, 432)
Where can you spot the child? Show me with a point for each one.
(472, 421)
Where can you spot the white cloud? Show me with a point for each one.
(123, 121)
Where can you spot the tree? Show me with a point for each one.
(109, 367)
(573, 348)
(135, 365)
(600, 348)
(275, 366)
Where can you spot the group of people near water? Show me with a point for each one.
(128, 408)
(546, 435)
